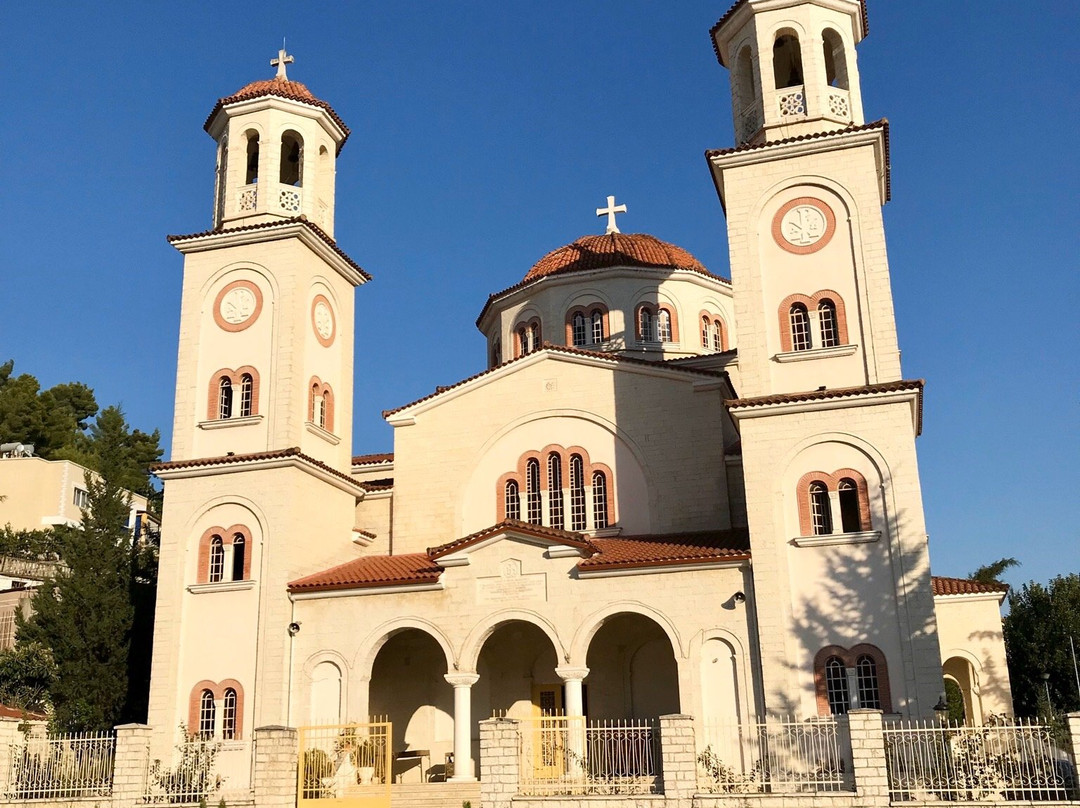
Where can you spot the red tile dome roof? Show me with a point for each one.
(614, 250)
(282, 88)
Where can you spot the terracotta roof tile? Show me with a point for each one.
(282, 88)
(368, 571)
(565, 349)
(223, 460)
(731, 12)
(314, 228)
(562, 536)
(371, 459)
(385, 484)
(680, 548)
(836, 392)
(964, 586)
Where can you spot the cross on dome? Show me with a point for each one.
(610, 212)
(280, 62)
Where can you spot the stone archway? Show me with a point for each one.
(632, 670)
(962, 673)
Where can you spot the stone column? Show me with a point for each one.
(276, 762)
(500, 768)
(10, 738)
(1073, 721)
(574, 705)
(131, 764)
(463, 764)
(868, 758)
(678, 756)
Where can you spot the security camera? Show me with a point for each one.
(739, 597)
(294, 629)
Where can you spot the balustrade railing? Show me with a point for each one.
(248, 198)
(61, 766)
(839, 104)
(748, 123)
(1014, 761)
(791, 102)
(562, 755)
(781, 757)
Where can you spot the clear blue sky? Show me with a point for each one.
(486, 133)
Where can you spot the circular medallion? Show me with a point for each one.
(804, 225)
(322, 319)
(237, 305)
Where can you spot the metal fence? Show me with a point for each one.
(564, 755)
(61, 766)
(1014, 761)
(776, 757)
(346, 764)
(201, 769)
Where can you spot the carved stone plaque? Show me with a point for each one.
(511, 586)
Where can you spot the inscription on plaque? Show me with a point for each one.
(511, 585)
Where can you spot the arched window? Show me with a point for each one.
(597, 318)
(555, 495)
(836, 74)
(579, 329)
(663, 325)
(512, 500)
(787, 61)
(577, 493)
(217, 560)
(251, 173)
(800, 328)
(820, 510)
(292, 151)
(717, 336)
(867, 677)
(599, 498)
(850, 518)
(528, 338)
(496, 353)
(534, 337)
(207, 714)
(238, 559)
(225, 392)
(534, 515)
(830, 336)
(836, 686)
(228, 715)
(318, 411)
(646, 325)
(706, 330)
(247, 391)
(744, 79)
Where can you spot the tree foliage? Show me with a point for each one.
(1037, 629)
(991, 573)
(27, 675)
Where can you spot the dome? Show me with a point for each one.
(614, 250)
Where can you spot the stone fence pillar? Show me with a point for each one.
(276, 764)
(868, 758)
(500, 773)
(131, 765)
(1073, 721)
(10, 738)
(678, 760)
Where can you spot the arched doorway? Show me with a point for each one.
(408, 689)
(962, 675)
(632, 670)
(517, 673)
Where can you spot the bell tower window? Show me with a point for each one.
(292, 150)
(787, 61)
(836, 74)
(251, 173)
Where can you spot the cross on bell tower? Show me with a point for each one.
(610, 212)
(282, 59)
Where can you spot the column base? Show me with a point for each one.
(461, 778)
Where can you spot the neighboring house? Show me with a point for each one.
(666, 492)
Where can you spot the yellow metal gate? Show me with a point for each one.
(345, 766)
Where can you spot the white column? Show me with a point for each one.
(463, 765)
(572, 679)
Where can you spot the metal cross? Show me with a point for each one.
(280, 62)
(610, 212)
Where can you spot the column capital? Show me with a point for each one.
(462, 679)
(567, 673)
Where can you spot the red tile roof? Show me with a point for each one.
(282, 88)
(731, 12)
(836, 392)
(370, 459)
(314, 228)
(964, 586)
(276, 454)
(564, 349)
(539, 531)
(655, 551)
(384, 484)
(369, 571)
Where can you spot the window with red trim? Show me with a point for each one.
(554, 481)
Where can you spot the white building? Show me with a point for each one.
(667, 491)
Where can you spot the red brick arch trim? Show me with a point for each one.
(328, 340)
(711, 318)
(234, 376)
(541, 456)
(218, 690)
(609, 479)
(587, 312)
(317, 387)
(832, 483)
(224, 324)
(849, 656)
(811, 302)
(519, 345)
(227, 536)
(654, 309)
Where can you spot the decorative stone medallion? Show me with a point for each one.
(804, 225)
(237, 306)
(322, 320)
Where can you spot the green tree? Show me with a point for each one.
(27, 676)
(991, 573)
(1037, 630)
(53, 420)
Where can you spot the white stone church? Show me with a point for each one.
(663, 492)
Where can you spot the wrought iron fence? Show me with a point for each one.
(569, 755)
(61, 766)
(346, 763)
(776, 757)
(201, 769)
(1013, 761)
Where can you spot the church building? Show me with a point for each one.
(663, 491)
